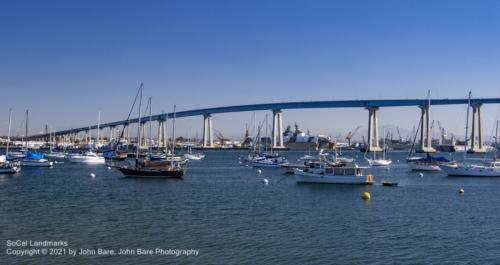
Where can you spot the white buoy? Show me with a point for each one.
(265, 181)
(240, 162)
(92, 175)
(109, 168)
(259, 171)
(421, 174)
(246, 165)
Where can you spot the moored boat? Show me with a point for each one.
(88, 157)
(321, 173)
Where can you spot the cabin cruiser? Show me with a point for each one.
(88, 157)
(35, 160)
(319, 172)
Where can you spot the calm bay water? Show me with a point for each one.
(223, 209)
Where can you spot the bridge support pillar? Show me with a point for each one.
(277, 140)
(425, 132)
(373, 144)
(476, 146)
(111, 133)
(87, 137)
(208, 141)
(141, 140)
(99, 136)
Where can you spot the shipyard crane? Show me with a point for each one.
(351, 134)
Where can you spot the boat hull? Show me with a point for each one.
(305, 177)
(424, 167)
(472, 171)
(9, 170)
(87, 160)
(36, 163)
(131, 172)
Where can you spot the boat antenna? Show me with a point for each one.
(467, 126)
(26, 130)
(173, 132)
(8, 135)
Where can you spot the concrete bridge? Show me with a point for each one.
(277, 109)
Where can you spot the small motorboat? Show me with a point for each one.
(379, 162)
(88, 157)
(389, 183)
(196, 156)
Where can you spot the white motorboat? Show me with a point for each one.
(60, 155)
(273, 162)
(379, 162)
(87, 158)
(321, 173)
(197, 156)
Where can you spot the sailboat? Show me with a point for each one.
(190, 155)
(8, 167)
(33, 159)
(268, 160)
(465, 169)
(427, 163)
(148, 168)
(88, 157)
(379, 161)
(52, 153)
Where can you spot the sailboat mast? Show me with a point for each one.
(26, 130)
(139, 125)
(150, 126)
(8, 135)
(173, 133)
(98, 124)
(496, 140)
(467, 127)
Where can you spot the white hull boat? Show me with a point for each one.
(379, 162)
(56, 155)
(340, 175)
(87, 158)
(194, 156)
(472, 171)
(270, 162)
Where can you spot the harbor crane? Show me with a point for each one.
(351, 134)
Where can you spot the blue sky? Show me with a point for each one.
(66, 60)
